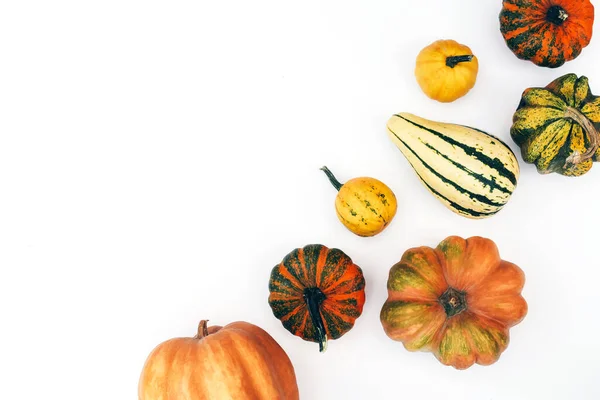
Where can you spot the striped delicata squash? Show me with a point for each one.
(469, 171)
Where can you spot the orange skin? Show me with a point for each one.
(414, 312)
(330, 271)
(239, 361)
(532, 36)
(438, 80)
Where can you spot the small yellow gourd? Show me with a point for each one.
(446, 70)
(365, 206)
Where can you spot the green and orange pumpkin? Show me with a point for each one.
(557, 127)
(547, 32)
(457, 301)
(317, 293)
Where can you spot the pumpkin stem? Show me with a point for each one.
(453, 61)
(202, 329)
(454, 302)
(336, 184)
(557, 15)
(314, 297)
(592, 134)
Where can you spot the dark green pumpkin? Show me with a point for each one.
(547, 33)
(557, 126)
(317, 293)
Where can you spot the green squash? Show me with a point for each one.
(557, 126)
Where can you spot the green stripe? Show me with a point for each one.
(494, 163)
(472, 195)
(489, 182)
(454, 205)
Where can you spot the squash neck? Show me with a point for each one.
(314, 297)
(336, 184)
(454, 302)
(453, 61)
(590, 131)
(557, 15)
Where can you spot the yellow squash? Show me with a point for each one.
(446, 70)
(365, 206)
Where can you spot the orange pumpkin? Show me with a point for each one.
(457, 301)
(547, 32)
(317, 293)
(239, 361)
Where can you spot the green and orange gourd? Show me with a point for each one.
(547, 32)
(457, 301)
(557, 127)
(317, 293)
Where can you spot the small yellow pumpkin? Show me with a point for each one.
(446, 70)
(365, 206)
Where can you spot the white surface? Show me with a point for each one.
(159, 158)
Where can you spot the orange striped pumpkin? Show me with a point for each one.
(317, 293)
(237, 362)
(547, 32)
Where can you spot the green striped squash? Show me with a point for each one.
(469, 171)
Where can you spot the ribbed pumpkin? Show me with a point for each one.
(557, 126)
(547, 32)
(446, 70)
(457, 301)
(317, 293)
(237, 362)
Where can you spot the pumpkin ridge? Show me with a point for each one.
(291, 265)
(242, 365)
(311, 254)
(498, 348)
(283, 281)
(541, 143)
(302, 261)
(521, 39)
(397, 291)
(350, 285)
(321, 261)
(335, 266)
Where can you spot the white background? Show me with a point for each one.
(158, 158)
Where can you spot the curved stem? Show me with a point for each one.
(453, 61)
(592, 134)
(314, 297)
(202, 329)
(336, 184)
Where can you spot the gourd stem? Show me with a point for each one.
(592, 134)
(314, 297)
(202, 329)
(454, 302)
(557, 15)
(336, 184)
(453, 61)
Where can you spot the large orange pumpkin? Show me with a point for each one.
(239, 361)
(457, 301)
